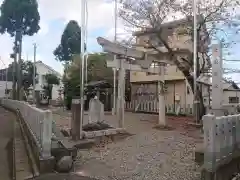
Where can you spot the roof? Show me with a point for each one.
(48, 67)
(207, 80)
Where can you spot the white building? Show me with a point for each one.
(42, 70)
(231, 92)
(4, 86)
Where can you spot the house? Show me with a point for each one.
(42, 70)
(231, 92)
(177, 89)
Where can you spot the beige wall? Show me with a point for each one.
(171, 73)
(177, 37)
(173, 88)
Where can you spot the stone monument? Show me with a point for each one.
(96, 111)
(76, 124)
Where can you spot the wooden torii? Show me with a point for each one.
(143, 62)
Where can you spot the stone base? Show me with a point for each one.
(199, 155)
(107, 132)
(46, 165)
(163, 127)
(196, 125)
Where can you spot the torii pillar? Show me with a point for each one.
(161, 98)
(121, 94)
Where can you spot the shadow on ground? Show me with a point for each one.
(59, 176)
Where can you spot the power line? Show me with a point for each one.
(232, 60)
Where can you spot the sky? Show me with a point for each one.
(55, 14)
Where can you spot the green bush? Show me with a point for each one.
(68, 102)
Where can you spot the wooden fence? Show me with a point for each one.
(152, 107)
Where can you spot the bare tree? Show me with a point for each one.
(216, 19)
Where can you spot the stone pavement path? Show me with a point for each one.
(6, 133)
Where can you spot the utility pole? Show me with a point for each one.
(34, 71)
(7, 82)
(19, 69)
(114, 69)
(83, 32)
(14, 69)
(195, 55)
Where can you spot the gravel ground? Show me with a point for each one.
(148, 154)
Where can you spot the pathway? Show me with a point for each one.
(6, 133)
(148, 154)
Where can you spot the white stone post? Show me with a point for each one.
(161, 99)
(121, 94)
(217, 75)
(47, 134)
(114, 91)
(161, 106)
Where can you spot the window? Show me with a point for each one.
(233, 99)
(152, 66)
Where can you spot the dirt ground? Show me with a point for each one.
(147, 154)
(6, 134)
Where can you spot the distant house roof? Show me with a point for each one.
(48, 67)
(207, 80)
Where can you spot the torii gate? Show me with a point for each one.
(142, 64)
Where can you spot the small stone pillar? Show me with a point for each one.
(161, 105)
(76, 124)
(38, 99)
(177, 102)
(161, 97)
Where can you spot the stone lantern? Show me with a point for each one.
(59, 99)
(30, 98)
(38, 90)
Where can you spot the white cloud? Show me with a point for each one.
(100, 12)
(100, 15)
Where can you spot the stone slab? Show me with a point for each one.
(107, 132)
(199, 154)
(80, 144)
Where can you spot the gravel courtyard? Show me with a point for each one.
(147, 154)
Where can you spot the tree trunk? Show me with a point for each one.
(19, 72)
(199, 96)
(14, 70)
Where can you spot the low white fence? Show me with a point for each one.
(39, 123)
(152, 107)
(221, 140)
